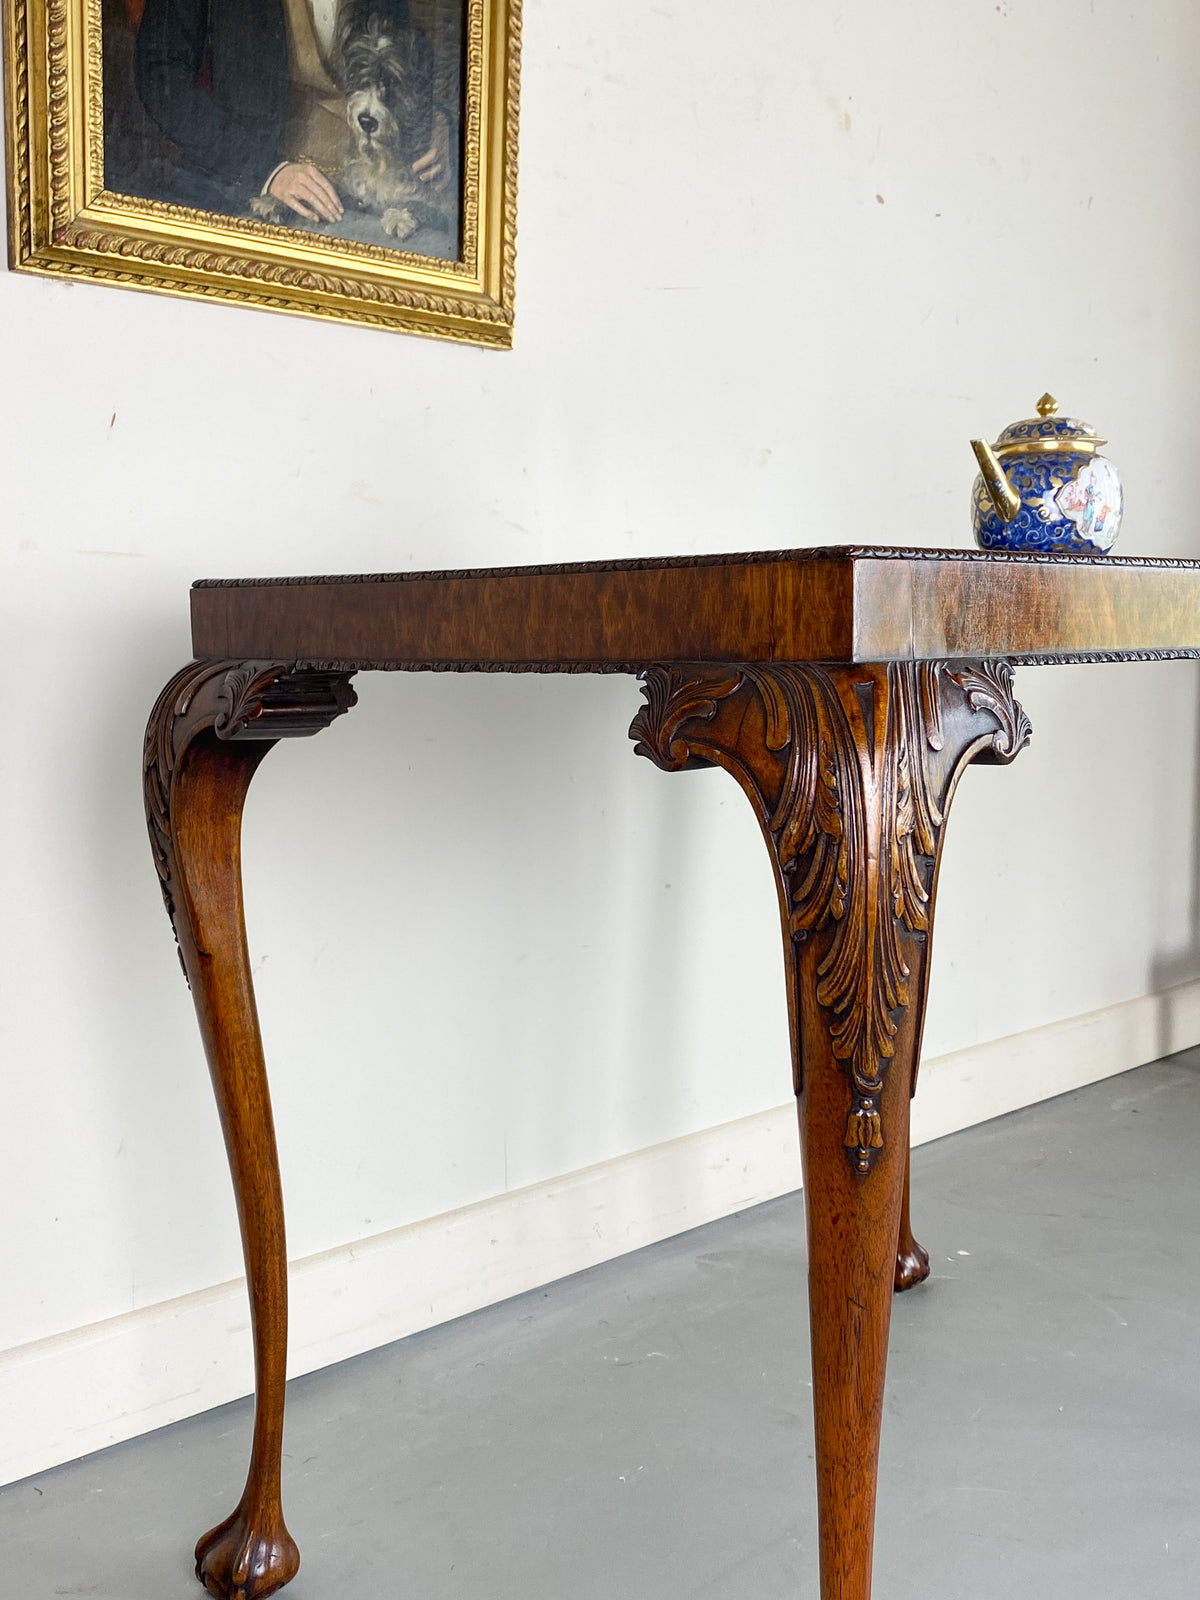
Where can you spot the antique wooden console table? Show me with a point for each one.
(845, 689)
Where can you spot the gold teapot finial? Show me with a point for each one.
(1001, 493)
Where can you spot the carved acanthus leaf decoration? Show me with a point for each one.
(259, 700)
(853, 817)
(673, 699)
(838, 874)
(160, 756)
(988, 686)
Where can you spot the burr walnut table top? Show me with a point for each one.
(844, 603)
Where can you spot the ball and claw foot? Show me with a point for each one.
(912, 1264)
(247, 1557)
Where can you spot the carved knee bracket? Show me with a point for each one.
(231, 700)
(850, 770)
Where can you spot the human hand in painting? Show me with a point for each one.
(433, 167)
(306, 190)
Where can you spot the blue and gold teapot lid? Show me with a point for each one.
(1047, 431)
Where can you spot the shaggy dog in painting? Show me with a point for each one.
(385, 70)
(384, 66)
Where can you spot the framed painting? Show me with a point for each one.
(354, 160)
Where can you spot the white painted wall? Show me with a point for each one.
(777, 263)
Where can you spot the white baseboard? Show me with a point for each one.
(65, 1396)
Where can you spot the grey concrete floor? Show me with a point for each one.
(643, 1429)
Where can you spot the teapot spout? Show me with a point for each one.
(1002, 494)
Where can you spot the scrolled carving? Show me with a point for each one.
(255, 702)
(673, 699)
(848, 769)
(988, 687)
(931, 703)
(159, 759)
(262, 700)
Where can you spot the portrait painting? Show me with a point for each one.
(344, 158)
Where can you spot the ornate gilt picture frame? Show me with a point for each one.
(353, 160)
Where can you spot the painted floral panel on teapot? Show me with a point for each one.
(1070, 503)
(1092, 500)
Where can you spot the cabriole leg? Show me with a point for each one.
(210, 729)
(850, 770)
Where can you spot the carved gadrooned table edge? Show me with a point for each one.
(638, 669)
(814, 553)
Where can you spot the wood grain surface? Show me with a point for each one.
(851, 604)
(850, 771)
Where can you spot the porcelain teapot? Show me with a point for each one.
(1043, 487)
